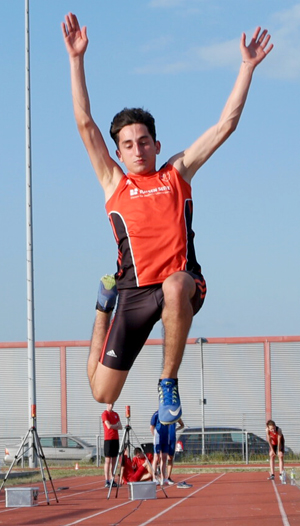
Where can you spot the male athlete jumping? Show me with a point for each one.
(150, 212)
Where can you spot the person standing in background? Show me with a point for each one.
(111, 425)
(160, 434)
(276, 442)
(172, 444)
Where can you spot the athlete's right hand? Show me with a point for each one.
(76, 40)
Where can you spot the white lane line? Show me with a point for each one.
(97, 514)
(60, 496)
(180, 501)
(130, 501)
(119, 505)
(285, 520)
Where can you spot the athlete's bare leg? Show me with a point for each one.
(170, 465)
(113, 464)
(163, 466)
(177, 318)
(101, 325)
(154, 464)
(107, 468)
(106, 384)
(146, 476)
(281, 464)
(272, 462)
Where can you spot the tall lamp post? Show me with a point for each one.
(29, 246)
(202, 400)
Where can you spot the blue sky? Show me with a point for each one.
(179, 60)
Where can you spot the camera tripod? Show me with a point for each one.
(37, 448)
(125, 445)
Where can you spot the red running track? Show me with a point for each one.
(227, 499)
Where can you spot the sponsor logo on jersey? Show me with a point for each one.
(135, 192)
(165, 176)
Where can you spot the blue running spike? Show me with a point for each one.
(169, 409)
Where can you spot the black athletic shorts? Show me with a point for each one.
(111, 448)
(137, 312)
(275, 446)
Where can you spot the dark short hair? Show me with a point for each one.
(137, 450)
(132, 116)
(271, 423)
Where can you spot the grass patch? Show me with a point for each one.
(210, 464)
(32, 476)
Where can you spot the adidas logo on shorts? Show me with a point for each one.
(112, 353)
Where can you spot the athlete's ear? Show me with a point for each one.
(158, 147)
(119, 155)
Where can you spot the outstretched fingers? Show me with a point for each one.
(269, 49)
(75, 37)
(264, 45)
(70, 25)
(255, 34)
(74, 24)
(64, 30)
(263, 40)
(258, 48)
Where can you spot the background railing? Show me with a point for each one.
(224, 382)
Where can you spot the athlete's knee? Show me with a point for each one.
(107, 384)
(101, 392)
(179, 287)
(175, 284)
(101, 396)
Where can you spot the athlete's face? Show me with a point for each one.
(272, 429)
(137, 150)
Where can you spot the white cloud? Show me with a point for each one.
(224, 54)
(157, 44)
(289, 18)
(282, 63)
(285, 58)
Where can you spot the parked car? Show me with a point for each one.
(222, 440)
(55, 447)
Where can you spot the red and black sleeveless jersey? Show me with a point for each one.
(274, 435)
(151, 218)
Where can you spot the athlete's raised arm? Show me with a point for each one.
(107, 170)
(191, 159)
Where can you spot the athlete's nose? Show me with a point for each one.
(137, 149)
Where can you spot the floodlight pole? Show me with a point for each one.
(29, 238)
(202, 396)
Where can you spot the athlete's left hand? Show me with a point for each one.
(258, 48)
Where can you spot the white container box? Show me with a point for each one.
(142, 490)
(21, 497)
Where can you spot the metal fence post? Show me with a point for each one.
(247, 453)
